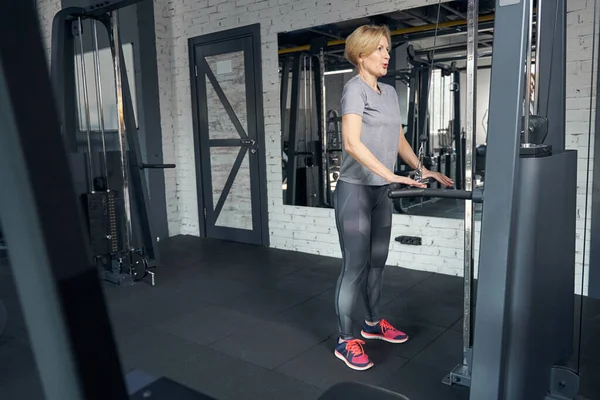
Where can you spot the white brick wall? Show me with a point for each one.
(310, 229)
(580, 25)
(46, 11)
(163, 13)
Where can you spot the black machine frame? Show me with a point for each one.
(121, 230)
(507, 352)
(418, 129)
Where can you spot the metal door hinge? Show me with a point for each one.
(196, 70)
(204, 212)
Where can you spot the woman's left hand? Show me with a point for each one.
(443, 179)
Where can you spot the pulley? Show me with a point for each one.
(138, 265)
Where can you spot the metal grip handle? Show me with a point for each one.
(156, 166)
(476, 196)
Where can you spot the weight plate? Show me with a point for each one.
(139, 266)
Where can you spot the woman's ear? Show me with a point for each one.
(360, 59)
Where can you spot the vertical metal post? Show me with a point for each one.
(471, 117)
(285, 80)
(551, 82)
(62, 71)
(457, 131)
(413, 109)
(86, 103)
(325, 156)
(293, 129)
(527, 102)
(423, 99)
(98, 80)
(119, 65)
(498, 223)
(461, 374)
(538, 43)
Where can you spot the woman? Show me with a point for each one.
(372, 139)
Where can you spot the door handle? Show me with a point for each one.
(251, 142)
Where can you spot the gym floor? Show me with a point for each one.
(244, 322)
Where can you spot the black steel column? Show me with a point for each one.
(423, 127)
(412, 121)
(552, 79)
(320, 155)
(149, 115)
(498, 222)
(457, 126)
(293, 125)
(285, 83)
(62, 70)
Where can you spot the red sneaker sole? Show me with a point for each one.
(381, 337)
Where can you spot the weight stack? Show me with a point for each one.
(101, 210)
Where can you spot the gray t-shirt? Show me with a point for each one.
(380, 132)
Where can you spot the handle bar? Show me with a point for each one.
(476, 195)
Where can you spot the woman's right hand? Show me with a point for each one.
(405, 181)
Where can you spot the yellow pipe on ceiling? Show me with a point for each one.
(415, 29)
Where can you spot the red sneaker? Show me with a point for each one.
(383, 331)
(352, 353)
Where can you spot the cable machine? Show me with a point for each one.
(304, 146)
(114, 189)
(527, 253)
(442, 150)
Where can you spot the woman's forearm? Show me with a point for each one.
(406, 152)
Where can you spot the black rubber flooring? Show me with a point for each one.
(244, 322)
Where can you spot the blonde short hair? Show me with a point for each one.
(364, 41)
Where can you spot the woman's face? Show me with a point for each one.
(376, 63)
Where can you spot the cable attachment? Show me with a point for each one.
(419, 170)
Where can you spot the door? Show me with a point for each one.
(228, 125)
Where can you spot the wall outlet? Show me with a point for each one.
(412, 240)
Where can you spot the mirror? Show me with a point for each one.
(313, 72)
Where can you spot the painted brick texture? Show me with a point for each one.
(46, 11)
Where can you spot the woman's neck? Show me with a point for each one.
(370, 80)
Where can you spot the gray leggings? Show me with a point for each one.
(363, 216)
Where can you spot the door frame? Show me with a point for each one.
(253, 32)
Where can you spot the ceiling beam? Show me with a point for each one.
(400, 32)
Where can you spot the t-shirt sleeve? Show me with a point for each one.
(353, 100)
